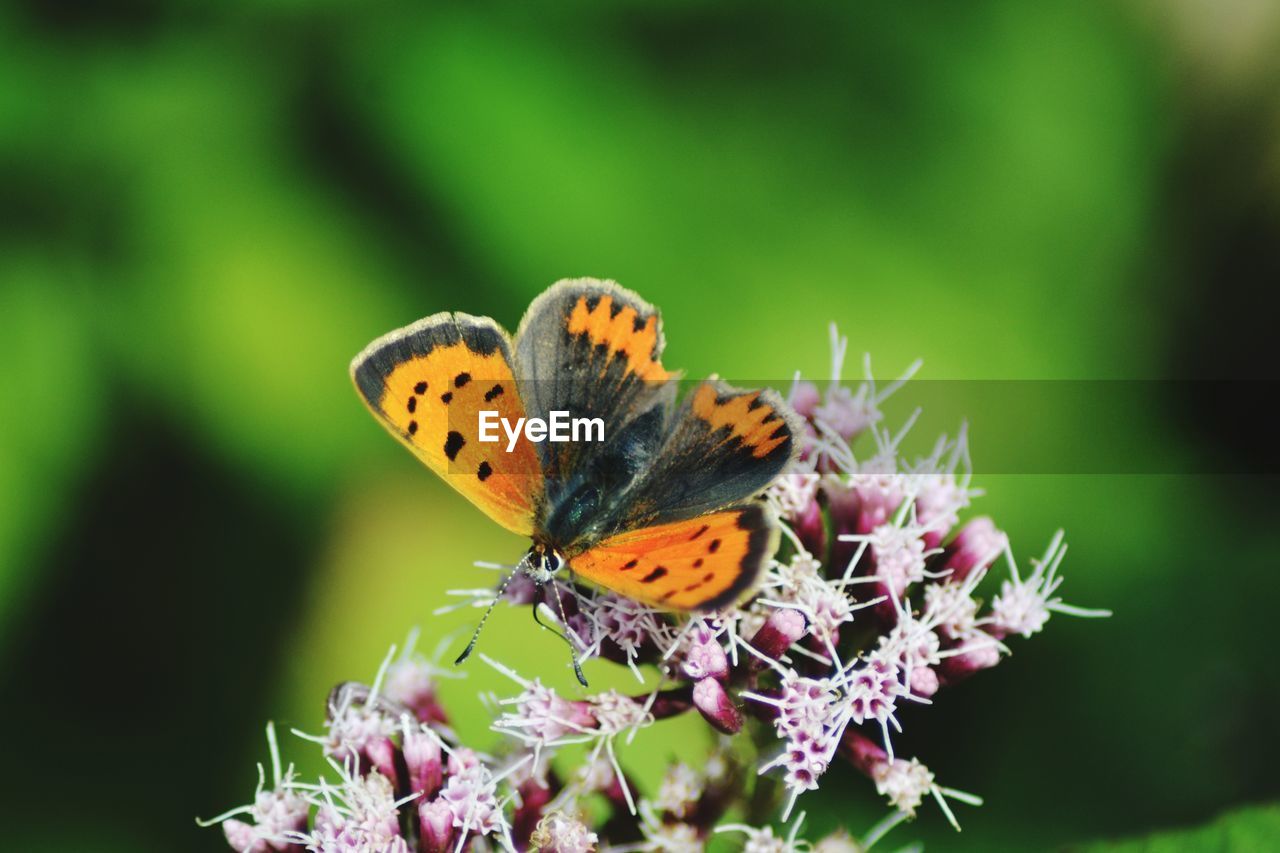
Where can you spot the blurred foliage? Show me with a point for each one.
(1245, 829)
(208, 208)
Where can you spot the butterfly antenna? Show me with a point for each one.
(475, 635)
(573, 648)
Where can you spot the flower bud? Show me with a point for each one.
(241, 836)
(924, 682)
(411, 683)
(846, 412)
(862, 752)
(783, 627)
(975, 547)
(534, 797)
(461, 760)
(980, 656)
(381, 753)
(423, 757)
(560, 833)
(805, 398)
(435, 821)
(716, 706)
(704, 657)
(812, 529)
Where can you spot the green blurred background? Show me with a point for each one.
(207, 208)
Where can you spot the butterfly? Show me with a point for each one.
(661, 508)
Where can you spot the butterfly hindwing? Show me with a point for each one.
(701, 563)
(725, 445)
(593, 349)
(427, 383)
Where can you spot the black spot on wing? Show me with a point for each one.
(446, 397)
(484, 471)
(713, 546)
(656, 574)
(753, 518)
(461, 379)
(631, 564)
(413, 404)
(453, 443)
(638, 324)
(420, 388)
(701, 530)
(413, 427)
(493, 392)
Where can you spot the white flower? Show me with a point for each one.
(681, 788)
(792, 493)
(872, 691)
(279, 813)
(904, 783)
(472, 798)
(1023, 606)
(899, 553)
(557, 832)
(543, 720)
(359, 815)
(952, 608)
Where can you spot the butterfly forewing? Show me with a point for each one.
(428, 383)
(593, 349)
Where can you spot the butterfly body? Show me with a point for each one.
(661, 510)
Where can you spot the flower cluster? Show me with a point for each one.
(875, 601)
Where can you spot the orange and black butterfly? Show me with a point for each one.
(660, 510)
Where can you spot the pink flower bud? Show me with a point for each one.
(705, 657)
(805, 398)
(812, 529)
(959, 667)
(411, 683)
(461, 760)
(924, 681)
(423, 757)
(975, 547)
(242, 837)
(381, 752)
(533, 799)
(846, 412)
(862, 752)
(716, 706)
(435, 820)
(783, 627)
